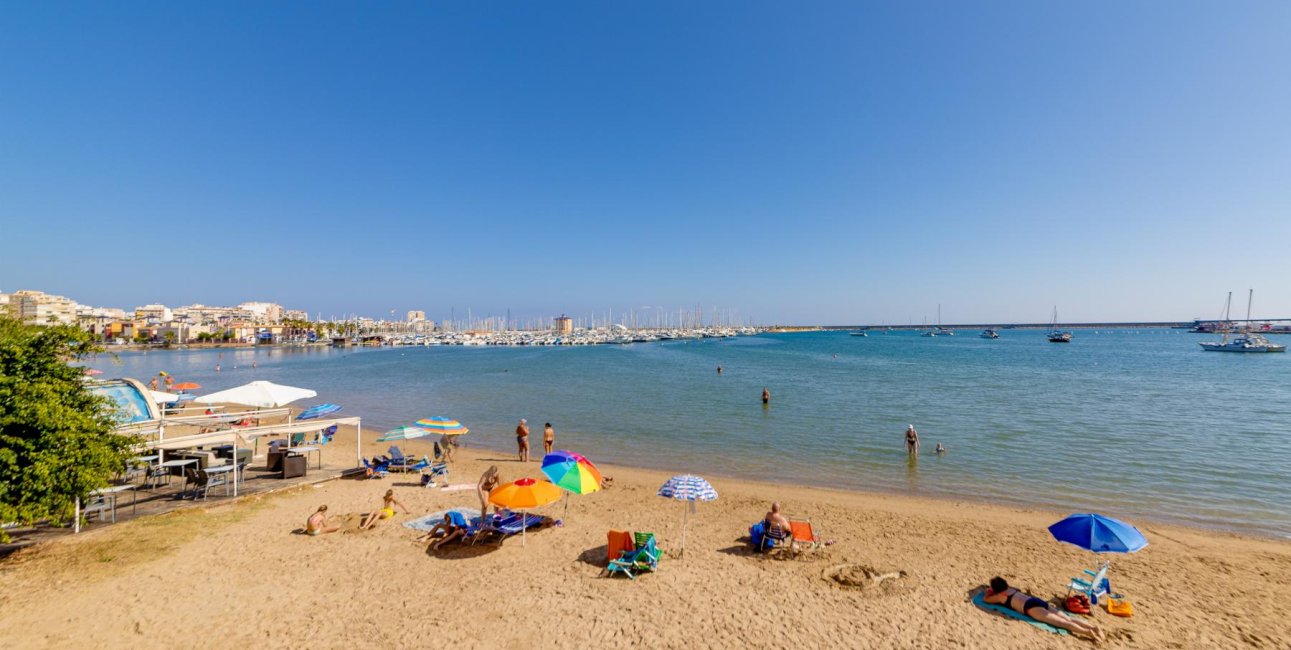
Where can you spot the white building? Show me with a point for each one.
(40, 308)
(264, 312)
(416, 316)
(154, 313)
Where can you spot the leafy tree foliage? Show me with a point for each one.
(57, 439)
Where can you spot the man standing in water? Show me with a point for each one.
(766, 396)
(912, 441)
(522, 440)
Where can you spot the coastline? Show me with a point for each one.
(236, 571)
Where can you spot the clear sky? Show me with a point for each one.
(836, 162)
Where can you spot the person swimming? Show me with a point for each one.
(766, 396)
(941, 449)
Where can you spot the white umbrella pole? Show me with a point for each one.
(566, 516)
(524, 518)
(358, 444)
(76, 526)
(685, 519)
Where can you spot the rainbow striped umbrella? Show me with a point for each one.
(446, 426)
(571, 472)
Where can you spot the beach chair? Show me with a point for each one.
(804, 537)
(326, 435)
(400, 462)
(437, 470)
(645, 557)
(297, 439)
(378, 470)
(508, 524)
(1093, 587)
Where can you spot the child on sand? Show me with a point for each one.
(317, 523)
(386, 511)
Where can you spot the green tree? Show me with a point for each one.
(170, 337)
(57, 439)
(141, 338)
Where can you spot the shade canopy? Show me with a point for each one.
(264, 394)
(524, 494)
(318, 411)
(403, 433)
(163, 398)
(572, 472)
(1094, 532)
(687, 487)
(446, 426)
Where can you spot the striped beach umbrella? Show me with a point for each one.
(442, 425)
(523, 495)
(318, 411)
(690, 489)
(571, 472)
(403, 433)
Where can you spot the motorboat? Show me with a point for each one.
(1246, 342)
(858, 333)
(990, 334)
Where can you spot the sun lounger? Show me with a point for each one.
(379, 470)
(506, 525)
(402, 463)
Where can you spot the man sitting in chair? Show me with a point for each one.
(777, 525)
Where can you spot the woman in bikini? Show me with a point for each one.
(548, 438)
(912, 440)
(488, 480)
(386, 511)
(1001, 593)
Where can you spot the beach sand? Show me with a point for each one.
(235, 575)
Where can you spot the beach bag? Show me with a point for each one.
(1119, 607)
(1078, 604)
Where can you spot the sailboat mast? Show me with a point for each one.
(1249, 298)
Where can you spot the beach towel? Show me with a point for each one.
(458, 486)
(979, 600)
(424, 524)
(619, 542)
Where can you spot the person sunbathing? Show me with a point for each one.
(1001, 593)
(446, 530)
(386, 511)
(317, 523)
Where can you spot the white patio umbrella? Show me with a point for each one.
(263, 394)
(163, 398)
(260, 394)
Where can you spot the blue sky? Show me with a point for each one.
(849, 162)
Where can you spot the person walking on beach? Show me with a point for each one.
(387, 511)
(317, 523)
(766, 396)
(488, 480)
(911, 441)
(548, 438)
(522, 440)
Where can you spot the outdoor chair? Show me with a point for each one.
(379, 470)
(1093, 587)
(400, 462)
(644, 558)
(297, 439)
(98, 504)
(438, 470)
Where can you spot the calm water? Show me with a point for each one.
(1134, 423)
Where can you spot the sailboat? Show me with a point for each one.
(939, 330)
(1055, 335)
(1246, 340)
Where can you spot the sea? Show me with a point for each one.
(1139, 424)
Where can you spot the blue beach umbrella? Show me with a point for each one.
(691, 489)
(318, 411)
(1099, 534)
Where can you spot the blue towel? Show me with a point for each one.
(979, 600)
(428, 522)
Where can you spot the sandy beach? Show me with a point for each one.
(229, 574)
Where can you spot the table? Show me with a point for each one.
(110, 494)
(305, 449)
(178, 462)
(222, 469)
